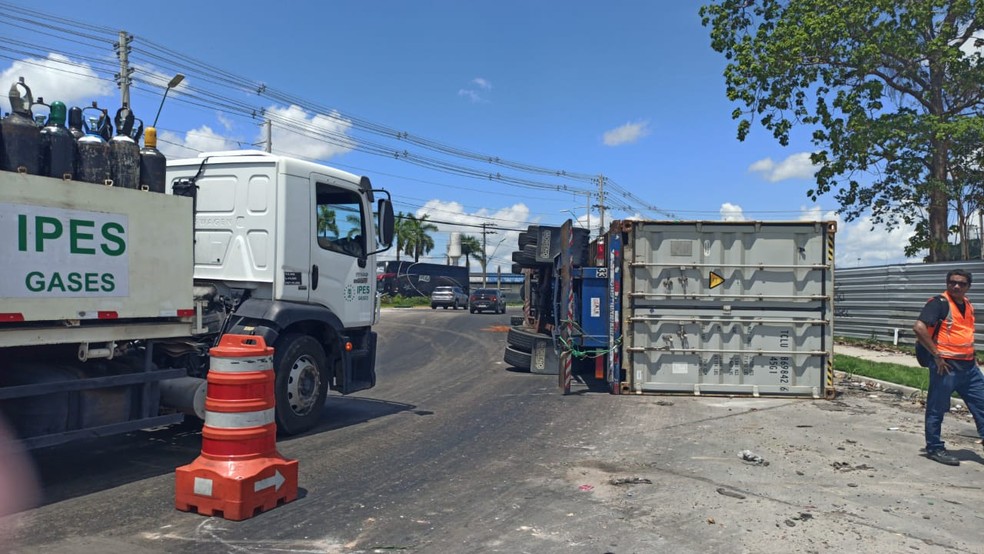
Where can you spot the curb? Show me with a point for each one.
(908, 392)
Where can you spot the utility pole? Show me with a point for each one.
(485, 262)
(123, 77)
(601, 203)
(268, 126)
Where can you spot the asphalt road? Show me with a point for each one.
(454, 452)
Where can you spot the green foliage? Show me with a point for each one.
(893, 102)
(399, 301)
(413, 234)
(471, 247)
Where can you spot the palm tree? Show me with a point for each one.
(401, 230)
(418, 242)
(471, 246)
(354, 224)
(326, 221)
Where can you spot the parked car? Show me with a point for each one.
(487, 299)
(448, 297)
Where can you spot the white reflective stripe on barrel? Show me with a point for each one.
(239, 420)
(235, 365)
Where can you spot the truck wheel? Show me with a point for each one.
(301, 382)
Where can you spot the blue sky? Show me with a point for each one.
(629, 90)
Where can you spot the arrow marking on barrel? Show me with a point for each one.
(715, 279)
(274, 481)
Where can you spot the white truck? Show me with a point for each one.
(111, 298)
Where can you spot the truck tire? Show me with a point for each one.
(301, 383)
(522, 339)
(516, 358)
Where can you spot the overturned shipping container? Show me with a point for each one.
(722, 307)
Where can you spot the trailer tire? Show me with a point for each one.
(516, 358)
(522, 339)
(301, 382)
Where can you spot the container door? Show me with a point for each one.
(729, 307)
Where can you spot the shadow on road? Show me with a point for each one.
(85, 467)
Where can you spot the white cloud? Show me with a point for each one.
(499, 245)
(864, 243)
(293, 129)
(626, 134)
(226, 123)
(474, 91)
(471, 95)
(203, 139)
(58, 77)
(796, 166)
(731, 212)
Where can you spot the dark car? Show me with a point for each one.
(487, 299)
(448, 297)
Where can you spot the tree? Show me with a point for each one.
(471, 246)
(400, 233)
(418, 242)
(887, 87)
(326, 222)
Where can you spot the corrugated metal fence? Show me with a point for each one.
(882, 303)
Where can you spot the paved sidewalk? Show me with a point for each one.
(899, 358)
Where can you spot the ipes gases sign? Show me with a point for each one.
(51, 252)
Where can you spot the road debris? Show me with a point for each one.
(752, 458)
(731, 493)
(586, 488)
(845, 466)
(630, 481)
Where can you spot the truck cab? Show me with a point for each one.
(294, 243)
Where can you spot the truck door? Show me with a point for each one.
(339, 272)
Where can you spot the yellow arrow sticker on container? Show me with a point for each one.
(715, 279)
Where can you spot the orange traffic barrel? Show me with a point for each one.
(239, 473)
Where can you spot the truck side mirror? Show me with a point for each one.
(386, 222)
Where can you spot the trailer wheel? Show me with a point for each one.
(301, 382)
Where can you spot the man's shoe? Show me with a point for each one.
(942, 456)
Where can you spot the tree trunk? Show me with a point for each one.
(938, 206)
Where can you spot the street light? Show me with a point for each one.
(485, 266)
(175, 81)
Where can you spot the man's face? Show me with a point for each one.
(957, 286)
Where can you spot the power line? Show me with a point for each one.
(148, 52)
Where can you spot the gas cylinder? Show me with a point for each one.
(152, 163)
(75, 122)
(21, 136)
(93, 160)
(124, 154)
(57, 145)
(104, 124)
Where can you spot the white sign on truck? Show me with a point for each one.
(53, 252)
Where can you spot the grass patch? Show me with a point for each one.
(399, 301)
(916, 377)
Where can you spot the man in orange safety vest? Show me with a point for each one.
(945, 327)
